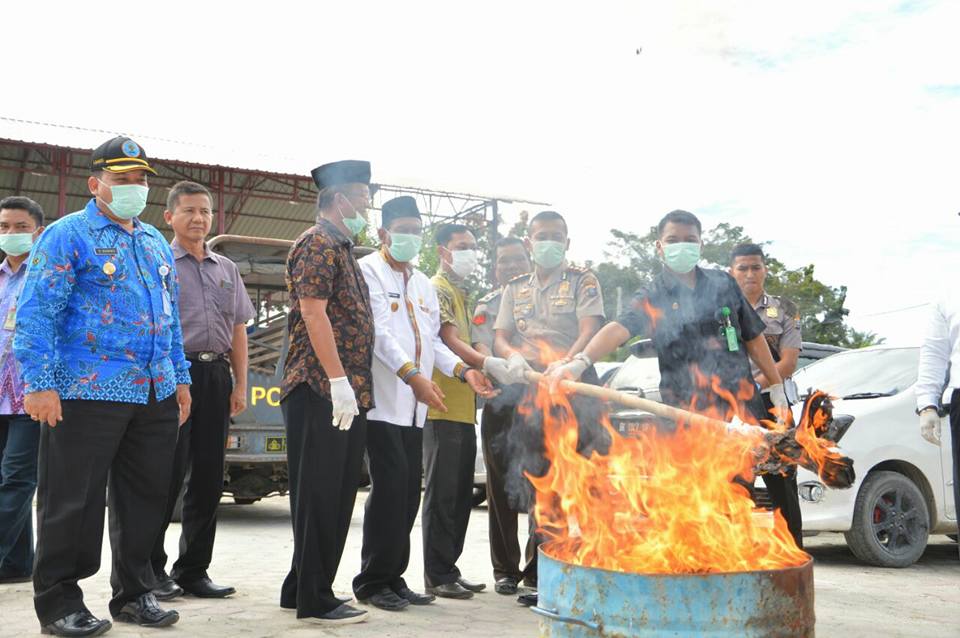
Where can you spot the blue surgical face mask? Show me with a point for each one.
(16, 244)
(682, 257)
(354, 224)
(404, 247)
(128, 200)
(548, 253)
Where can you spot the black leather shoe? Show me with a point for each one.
(386, 600)
(506, 586)
(145, 611)
(205, 588)
(528, 600)
(450, 590)
(167, 589)
(79, 623)
(474, 587)
(342, 615)
(413, 597)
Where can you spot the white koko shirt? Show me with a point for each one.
(940, 354)
(406, 316)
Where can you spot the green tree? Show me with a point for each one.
(634, 262)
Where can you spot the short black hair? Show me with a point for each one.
(16, 202)
(747, 250)
(679, 217)
(446, 232)
(548, 216)
(186, 188)
(504, 242)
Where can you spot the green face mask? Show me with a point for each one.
(16, 244)
(681, 258)
(354, 224)
(549, 254)
(404, 247)
(127, 200)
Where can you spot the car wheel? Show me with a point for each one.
(891, 523)
(479, 495)
(244, 501)
(953, 537)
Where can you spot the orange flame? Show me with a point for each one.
(657, 502)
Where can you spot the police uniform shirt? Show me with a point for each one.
(782, 319)
(534, 312)
(687, 327)
(484, 318)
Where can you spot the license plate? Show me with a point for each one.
(275, 444)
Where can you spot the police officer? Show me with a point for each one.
(98, 338)
(546, 318)
(214, 306)
(510, 261)
(782, 320)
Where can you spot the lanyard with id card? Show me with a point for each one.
(10, 322)
(727, 330)
(164, 270)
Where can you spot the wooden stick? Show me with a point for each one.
(633, 401)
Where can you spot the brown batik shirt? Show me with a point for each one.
(321, 265)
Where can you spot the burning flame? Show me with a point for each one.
(657, 502)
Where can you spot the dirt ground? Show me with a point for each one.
(253, 554)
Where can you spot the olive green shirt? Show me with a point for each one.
(461, 401)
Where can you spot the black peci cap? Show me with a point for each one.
(120, 155)
(342, 172)
(403, 206)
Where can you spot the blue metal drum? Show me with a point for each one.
(585, 602)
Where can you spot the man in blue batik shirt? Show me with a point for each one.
(99, 343)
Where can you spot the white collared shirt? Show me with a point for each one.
(395, 346)
(939, 354)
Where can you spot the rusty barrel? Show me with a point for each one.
(576, 601)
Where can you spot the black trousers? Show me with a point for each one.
(128, 446)
(324, 466)
(505, 554)
(449, 457)
(201, 448)
(19, 441)
(396, 465)
(955, 443)
(783, 491)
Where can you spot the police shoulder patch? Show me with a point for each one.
(490, 296)
(790, 309)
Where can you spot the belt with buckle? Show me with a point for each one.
(206, 357)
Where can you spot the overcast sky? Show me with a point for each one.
(829, 129)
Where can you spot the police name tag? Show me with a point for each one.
(109, 252)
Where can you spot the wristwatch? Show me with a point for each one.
(926, 407)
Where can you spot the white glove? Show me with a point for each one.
(779, 400)
(778, 397)
(571, 370)
(930, 425)
(497, 368)
(344, 403)
(517, 368)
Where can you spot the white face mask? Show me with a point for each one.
(463, 262)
